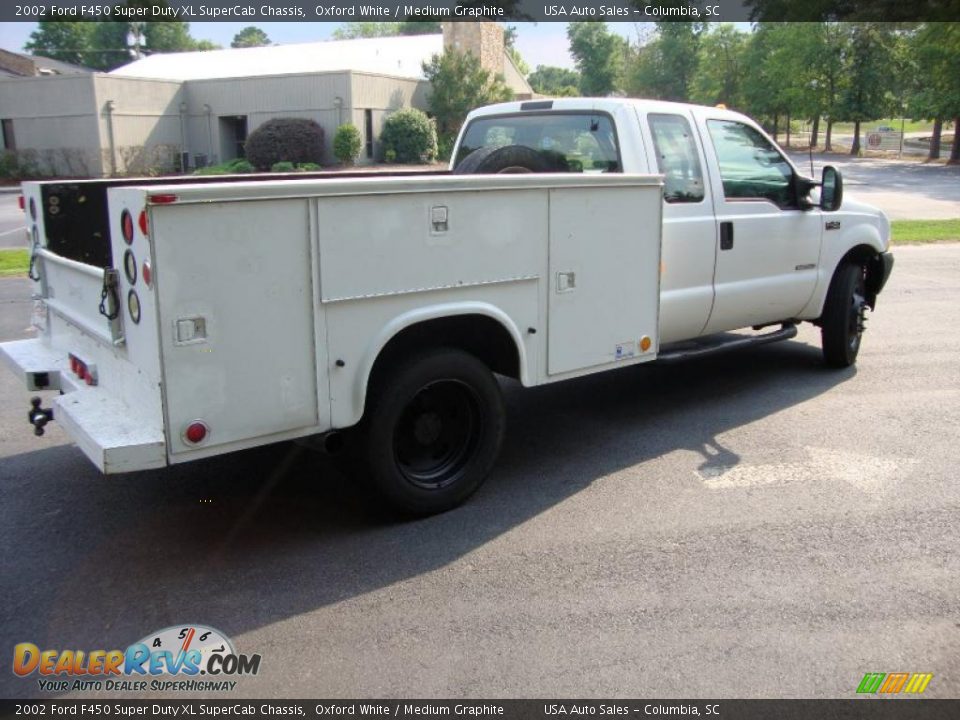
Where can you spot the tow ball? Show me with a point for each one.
(38, 416)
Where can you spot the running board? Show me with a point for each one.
(787, 331)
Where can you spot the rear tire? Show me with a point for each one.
(842, 322)
(433, 431)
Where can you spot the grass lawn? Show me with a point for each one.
(912, 232)
(14, 262)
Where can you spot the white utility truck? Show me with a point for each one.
(183, 318)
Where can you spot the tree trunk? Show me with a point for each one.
(788, 130)
(934, 153)
(855, 148)
(827, 143)
(955, 150)
(815, 131)
(776, 126)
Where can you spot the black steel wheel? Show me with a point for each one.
(433, 430)
(844, 315)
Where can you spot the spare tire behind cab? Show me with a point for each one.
(504, 159)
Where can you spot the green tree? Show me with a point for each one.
(665, 67)
(168, 37)
(556, 81)
(865, 96)
(109, 46)
(598, 55)
(458, 84)
(250, 36)
(721, 67)
(65, 41)
(352, 30)
(936, 91)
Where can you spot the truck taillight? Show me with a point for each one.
(147, 273)
(144, 225)
(126, 226)
(84, 372)
(163, 199)
(22, 202)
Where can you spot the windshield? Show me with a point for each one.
(572, 142)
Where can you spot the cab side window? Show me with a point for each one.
(751, 168)
(677, 158)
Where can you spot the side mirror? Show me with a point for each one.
(831, 189)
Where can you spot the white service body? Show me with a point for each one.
(270, 301)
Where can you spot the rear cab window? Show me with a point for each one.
(677, 158)
(575, 142)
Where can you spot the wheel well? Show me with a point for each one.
(481, 336)
(867, 257)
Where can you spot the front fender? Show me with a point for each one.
(859, 230)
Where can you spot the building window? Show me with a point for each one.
(368, 132)
(9, 142)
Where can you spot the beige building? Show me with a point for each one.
(175, 110)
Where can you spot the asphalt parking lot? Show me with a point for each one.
(745, 526)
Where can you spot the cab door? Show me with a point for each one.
(768, 247)
(689, 225)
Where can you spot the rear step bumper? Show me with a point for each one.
(705, 348)
(115, 437)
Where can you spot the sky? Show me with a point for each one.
(539, 43)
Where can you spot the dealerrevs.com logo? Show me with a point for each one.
(177, 658)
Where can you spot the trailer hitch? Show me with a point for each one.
(38, 416)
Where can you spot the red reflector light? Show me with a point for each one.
(126, 226)
(195, 433)
(142, 222)
(162, 199)
(80, 369)
(147, 274)
(21, 201)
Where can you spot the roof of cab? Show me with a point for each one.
(607, 104)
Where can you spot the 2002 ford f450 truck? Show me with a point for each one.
(184, 318)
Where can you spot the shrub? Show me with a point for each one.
(347, 144)
(309, 167)
(14, 166)
(409, 136)
(285, 166)
(234, 167)
(295, 140)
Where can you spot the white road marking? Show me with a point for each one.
(865, 472)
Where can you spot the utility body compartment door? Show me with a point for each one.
(235, 287)
(604, 289)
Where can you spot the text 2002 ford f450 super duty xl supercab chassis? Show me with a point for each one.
(182, 318)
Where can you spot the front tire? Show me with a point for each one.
(433, 431)
(842, 322)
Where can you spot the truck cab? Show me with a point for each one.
(748, 240)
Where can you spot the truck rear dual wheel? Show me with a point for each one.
(842, 322)
(434, 429)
